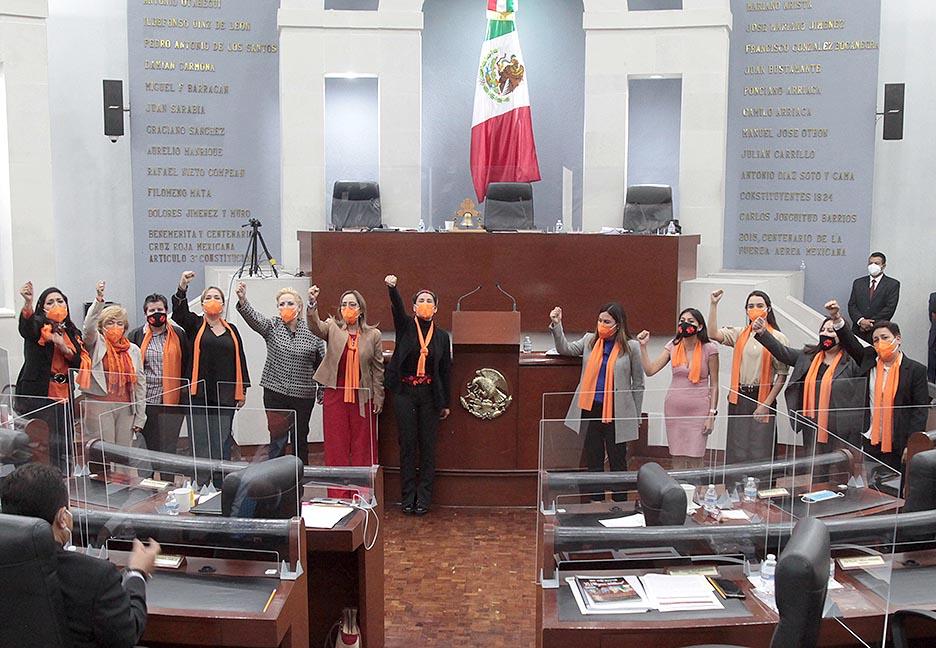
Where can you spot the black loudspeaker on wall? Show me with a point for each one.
(113, 109)
(893, 111)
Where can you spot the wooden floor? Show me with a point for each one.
(460, 577)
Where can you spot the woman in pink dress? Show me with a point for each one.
(689, 409)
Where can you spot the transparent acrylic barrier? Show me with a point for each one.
(38, 430)
(6, 387)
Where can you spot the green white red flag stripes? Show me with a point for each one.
(502, 145)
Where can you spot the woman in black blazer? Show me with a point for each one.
(52, 350)
(845, 417)
(911, 399)
(420, 383)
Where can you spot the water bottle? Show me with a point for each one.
(422, 226)
(767, 570)
(710, 501)
(558, 229)
(802, 264)
(172, 505)
(750, 490)
(671, 228)
(527, 345)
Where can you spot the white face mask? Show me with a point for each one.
(874, 269)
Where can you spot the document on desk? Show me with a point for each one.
(608, 595)
(323, 516)
(627, 522)
(670, 593)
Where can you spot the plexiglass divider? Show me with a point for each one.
(6, 387)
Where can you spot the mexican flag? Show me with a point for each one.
(502, 146)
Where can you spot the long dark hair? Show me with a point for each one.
(771, 318)
(813, 349)
(40, 314)
(616, 311)
(702, 333)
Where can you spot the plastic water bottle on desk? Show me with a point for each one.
(172, 504)
(558, 229)
(710, 501)
(527, 344)
(421, 227)
(750, 490)
(767, 571)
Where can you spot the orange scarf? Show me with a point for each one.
(60, 364)
(239, 385)
(695, 367)
(352, 369)
(590, 380)
(766, 371)
(172, 363)
(423, 347)
(882, 417)
(825, 394)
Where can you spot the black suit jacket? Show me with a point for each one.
(102, 609)
(849, 388)
(407, 342)
(136, 336)
(911, 401)
(882, 307)
(931, 363)
(33, 379)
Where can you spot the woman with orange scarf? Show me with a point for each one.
(756, 380)
(824, 394)
(690, 406)
(115, 405)
(219, 379)
(609, 396)
(52, 349)
(352, 373)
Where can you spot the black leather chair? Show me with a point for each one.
(921, 483)
(31, 609)
(648, 208)
(662, 499)
(355, 205)
(898, 622)
(266, 490)
(508, 206)
(801, 582)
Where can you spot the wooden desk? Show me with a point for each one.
(539, 270)
(342, 573)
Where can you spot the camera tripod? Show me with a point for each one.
(251, 260)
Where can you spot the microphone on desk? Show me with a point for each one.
(509, 296)
(467, 294)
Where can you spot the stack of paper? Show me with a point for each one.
(626, 522)
(608, 594)
(669, 593)
(323, 516)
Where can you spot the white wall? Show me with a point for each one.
(904, 219)
(692, 44)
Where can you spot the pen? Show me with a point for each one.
(269, 600)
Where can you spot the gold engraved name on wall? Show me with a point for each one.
(487, 395)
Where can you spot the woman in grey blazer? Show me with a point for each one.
(608, 426)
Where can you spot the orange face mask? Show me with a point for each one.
(288, 313)
(754, 313)
(424, 310)
(212, 307)
(605, 331)
(886, 350)
(350, 315)
(57, 314)
(114, 333)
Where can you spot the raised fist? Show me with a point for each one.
(643, 337)
(555, 315)
(26, 292)
(186, 279)
(832, 308)
(99, 290)
(390, 280)
(717, 295)
(241, 291)
(313, 293)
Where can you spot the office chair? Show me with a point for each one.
(32, 612)
(801, 582)
(648, 208)
(508, 206)
(266, 490)
(921, 483)
(355, 205)
(899, 619)
(662, 499)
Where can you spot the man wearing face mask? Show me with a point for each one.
(167, 360)
(293, 354)
(897, 394)
(873, 298)
(102, 606)
(115, 409)
(419, 377)
(825, 389)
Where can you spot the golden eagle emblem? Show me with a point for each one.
(500, 75)
(486, 395)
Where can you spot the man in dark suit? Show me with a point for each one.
(911, 399)
(102, 607)
(931, 364)
(873, 298)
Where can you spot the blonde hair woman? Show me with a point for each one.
(352, 372)
(115, 405)
(293, 354)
